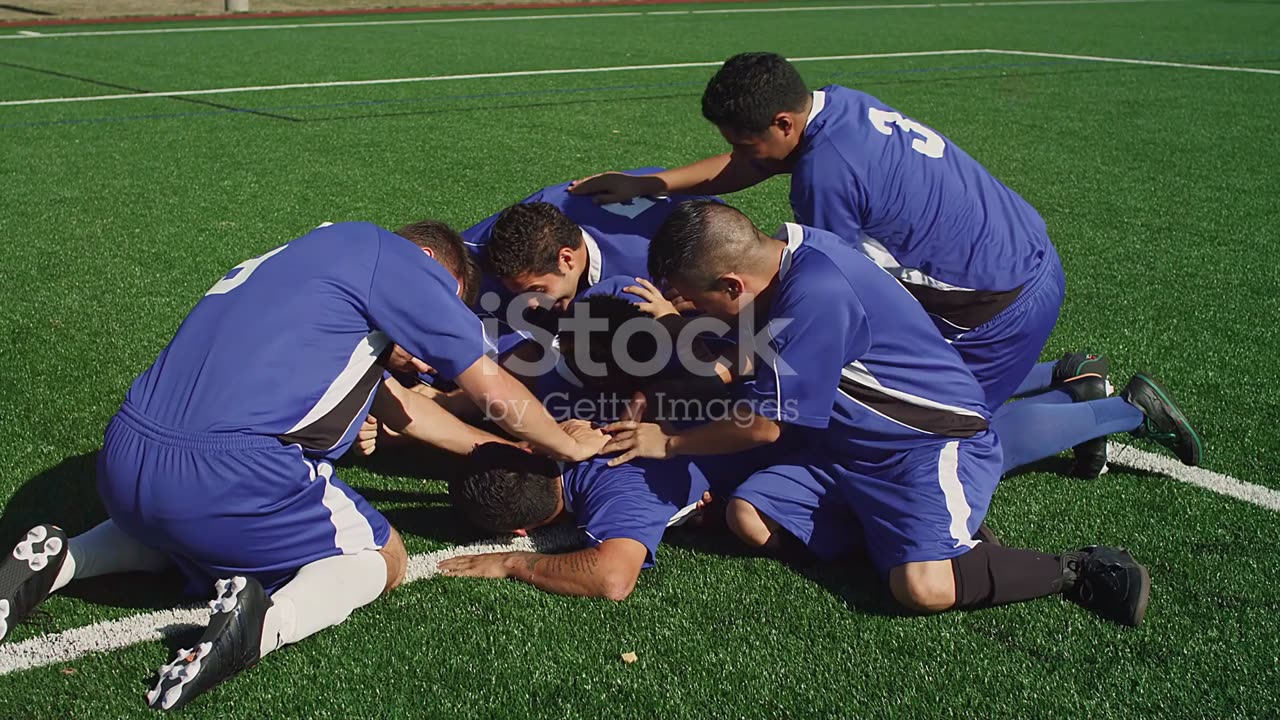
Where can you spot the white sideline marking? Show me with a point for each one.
(615, 68)
(468, 76)
(1131, 61)
(149, 627)
(111, 635)
(26, 34)
(1131, 457)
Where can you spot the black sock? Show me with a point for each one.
(990, 575)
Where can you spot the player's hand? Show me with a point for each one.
(699, 517)
(635, 408)
(589, 440)
(637, 439)
(367, 439)
(489, 565)
(654, 303)
(612, 187)
(679, 303)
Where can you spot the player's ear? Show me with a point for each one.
(785, 122)
(522, 532)
(430, 253)
(567, 260)
(733, 285)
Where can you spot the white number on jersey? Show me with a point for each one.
(246, 268)
(631, 209)
(932, 143)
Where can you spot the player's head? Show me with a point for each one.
(505, 489)
(713, 256)
(445, 245)
(604, 369)
(536, 248)
(759, 102)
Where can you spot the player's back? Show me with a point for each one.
(927, 210)
(282, 345)
(901, 382)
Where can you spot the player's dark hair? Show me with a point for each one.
(449, 250)
(700, 241)
(503, 488)
(641, 346)
(750, 89)
(526, 240)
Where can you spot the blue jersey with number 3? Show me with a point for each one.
(910, 199)
(290, 344)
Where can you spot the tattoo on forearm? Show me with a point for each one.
(581, 562)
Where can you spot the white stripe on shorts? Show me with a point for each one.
(953, 491)
(351, 530)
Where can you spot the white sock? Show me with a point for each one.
(104, 550)
(322, 595)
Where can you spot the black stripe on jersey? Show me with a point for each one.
(965, 309)
(329, 429)
(935, 421)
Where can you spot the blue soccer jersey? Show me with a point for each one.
(918, 205)
(290, 344)
(855, 358)
(641, 499)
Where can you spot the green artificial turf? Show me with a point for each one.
(1158, 186)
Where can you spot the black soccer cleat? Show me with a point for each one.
(230, 643)
(1164, 422)
(1109, 582)
(27, 573)
(1085, 377)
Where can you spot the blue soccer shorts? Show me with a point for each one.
(225, 504)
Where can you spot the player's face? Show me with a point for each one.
(550, 290)
(717, 302)
(773, 145)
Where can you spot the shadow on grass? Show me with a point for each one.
(852, 578)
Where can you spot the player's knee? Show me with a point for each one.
(747, 523)
(397, 559)
(927, 587)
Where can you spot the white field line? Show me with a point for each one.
(610, 69)
(1131, 61)
(1131, 457)
(468, 76)
(27, 34)
(112, 635)
(149, 627)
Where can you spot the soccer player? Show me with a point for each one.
(220, 460)
(971, 250)
(623, 511)
(894, 420)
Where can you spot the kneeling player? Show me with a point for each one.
(220, 460)
(623, 512)
(894, 420)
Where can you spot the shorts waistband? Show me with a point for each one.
(152, 430)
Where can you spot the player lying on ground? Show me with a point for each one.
(623, 511)
(889, 415)
(972, 251)
(220, 460)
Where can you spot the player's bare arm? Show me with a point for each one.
(608, 570)
(416, 417)
(510, 404)
(716, 175)
(722, 437)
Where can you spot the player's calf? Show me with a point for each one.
(397, 559)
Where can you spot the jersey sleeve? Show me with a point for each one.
(817, 328)
(414, 300)
(623, 505)
(826, 193)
